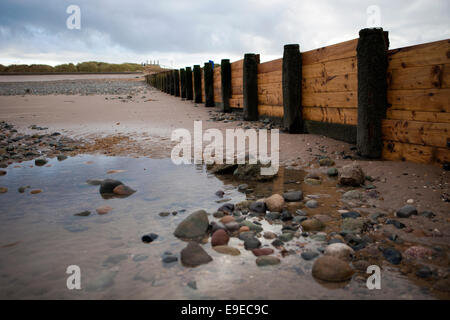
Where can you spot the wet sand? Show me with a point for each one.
(141, 125)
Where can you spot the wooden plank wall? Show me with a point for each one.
(270, 91)
(417, 124)
(237, 96)
(203, 86)
(217, 84)
(330, 84)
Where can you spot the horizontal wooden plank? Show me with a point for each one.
(398, 151)
(417, 132)
(341, 50)
(330, 99)
(270, 99)
(270, 77)
(418, 116)
(348, 82)
(330, 68)
(426, 54)
(427, 77)
(270, 66)
(331, 115)
(270, 110)
(237, 90)
(436, 100)
(236, 103)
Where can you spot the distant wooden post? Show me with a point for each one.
(189, 92)
(168, 82)
(183, 83)
(292, 89)
(177, 83)
(372, 91)
(225, 69)
(209, 85)
(172, 82)
(198, 84)
(250, 86)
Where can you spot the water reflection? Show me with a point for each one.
(40, 235)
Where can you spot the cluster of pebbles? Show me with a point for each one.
(343, 251)
(17, 147)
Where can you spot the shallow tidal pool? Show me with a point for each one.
(40, 236)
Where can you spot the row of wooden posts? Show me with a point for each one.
(372, 88)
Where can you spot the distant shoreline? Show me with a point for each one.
(63, 73)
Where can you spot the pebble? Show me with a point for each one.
(220, 238)
(269, 235)
(35, 191)
(328, 268)
(83, 213)
(262, 251)
(194, 255)
(406, 211)
(424, 272)
(312, 204)
(309, 255)
(293, 196)
(227, 250)
(267, 261)
(351, 214)
(392, 255)
(164, 214)
(275, 203)
(251, 243)
(312, 225)
(3, 190)
(340, 251)
(148, 238)
(103, 209)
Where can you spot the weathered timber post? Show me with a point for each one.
(225, 69)
(198, 84)
(292, 89)
(188, 82)
(177, 83)
(209, 85)
(250, 86)
(167, 82)
(372, 91)
(182, 83)
(172, 82)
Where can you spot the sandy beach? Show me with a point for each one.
(138, 122)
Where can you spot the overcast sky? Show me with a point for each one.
(182, 33)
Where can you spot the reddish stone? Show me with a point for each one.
(227, 219)
(220, 238)
(262, 251)
(244, 229)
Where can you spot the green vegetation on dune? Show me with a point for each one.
(89, 66)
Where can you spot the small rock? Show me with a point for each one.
(312, 225)
(148, 238)
(351, 214)
(123, 190)
(83, 213)
(351, 175)
(267, 261)
(332, 172)
(227, 219)
(194, 226)
(326, 162)
(262, 251)
(194, 255)
(164, 214)
(258, 207)
(328, 268)
(252, 243)
(392, 255)
(40, 162)
(107, 186)
(424, 272)
(103, 209)
(3, 190)
(406, 211)
(293, 196)
(220, 238)
(227, 250)
(275, 203)
(340, 251)
(309, 255)
(35, 191)
(269, 235)
(312, 204)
